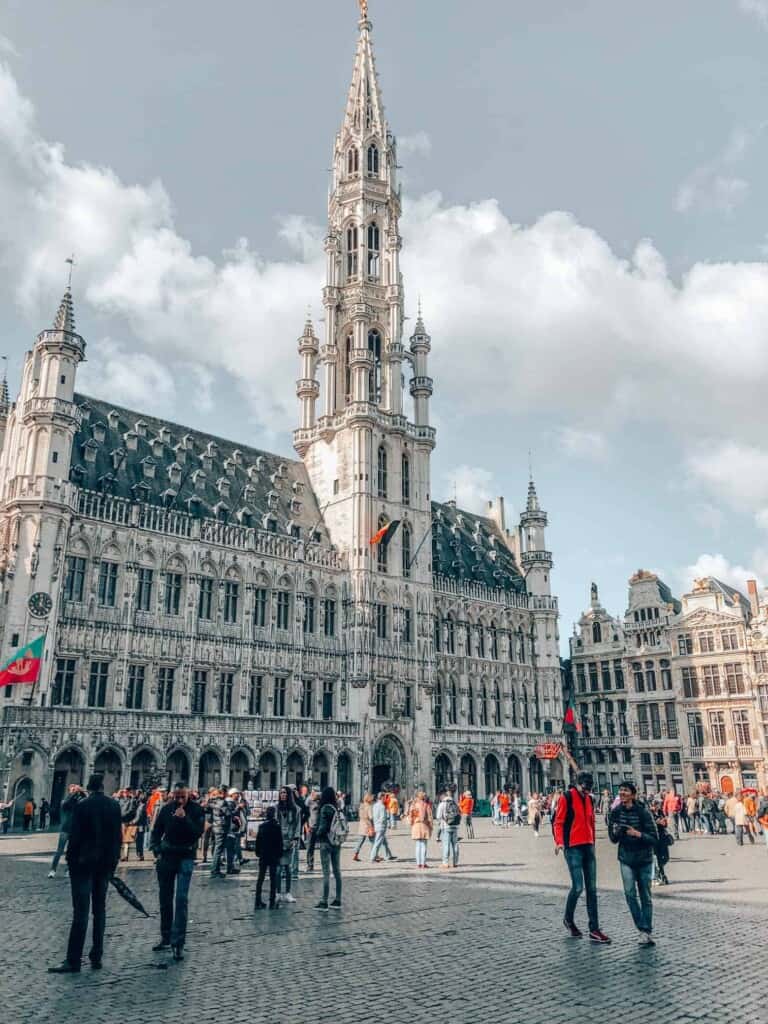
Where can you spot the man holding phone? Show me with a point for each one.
(574, 829)
(632, 828)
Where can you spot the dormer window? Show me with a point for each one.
(223, 484)
(237, 457)
(373, 161)
(199, 480)
(118, 457)
(245, 515)
(229, 467)
(297, 487)
(270, 524)
(273, 499)
(78, 472)
(164, 434)
(99, 431)
(174, 474)
(158, 447)
(113, 419)
(169, 497)
(275, 479)
(188, 442)
(212, 449)
(85, 412)
(281, 470)
(249, 493)
(141, 428)
(131, 439)
(181, 454)
(260, 463)
(89, 450)
(295, 507)
(353, 160)
(206, 462)
(221, 511)
(148, 466)
(374, 251)
(107, 483)
(352, 246)
(141, 491)
(193, 505)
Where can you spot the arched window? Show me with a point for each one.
(406, 545)
(373, 161)
(513, 707)
(494, 634)
(520, 647)
(597, 633)
(382, 549)
(352, 245)
(374, 347)
(480, 641)
(381, 472)
(450, 635)
(526, 715)
(470, 705)
(453, 703)
(496, 705)
(436, 627)
(374, 251)
(353, 160)
(483, 705)
(348, 368)
(438, 705)
(406, 475)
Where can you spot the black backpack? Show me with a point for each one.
(452, 812)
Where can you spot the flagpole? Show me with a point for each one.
(421, 543)
(31, 696)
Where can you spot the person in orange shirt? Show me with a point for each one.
(750, 807)
(467, 806)
(393, 810)
(504, 805)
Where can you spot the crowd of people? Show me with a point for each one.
(179, 827)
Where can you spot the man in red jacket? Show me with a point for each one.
(574, 830)
(672, 807)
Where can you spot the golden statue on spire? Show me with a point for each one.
(363, 9)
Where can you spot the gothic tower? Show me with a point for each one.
(368, 464)
(34, 479)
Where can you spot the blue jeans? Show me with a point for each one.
(636, 879)
(421, 851)
(61, 847)
(583, 868)
(173, 921)
(450, 845)
(380, 839)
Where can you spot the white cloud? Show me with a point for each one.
(7, 47)
(736, 473)
(418, 144)
(470, 486)
(127, 377)
(719, 567)
(761, 518)
(584, 444)
(757, 8)
(715, 185)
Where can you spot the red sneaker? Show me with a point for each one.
(597, 936)
(572, 929)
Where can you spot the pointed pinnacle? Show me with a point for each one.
(65, 317)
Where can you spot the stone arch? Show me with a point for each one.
(268, 769)
(69, 766)
(321, 768)
(209, 769)
(492, 772)
(176, 562)
(295, 767)
(389, 763)
(468, 773)
(145, 766)
(178, 764)
(514, 773)
(80, 546)
(23, 790)
(443, 771)
(344, 770)
(109, 761)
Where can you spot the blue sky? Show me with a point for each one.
(584, 218)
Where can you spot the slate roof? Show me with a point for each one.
(470, 547)
(140, 458)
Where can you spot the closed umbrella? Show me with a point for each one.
(128, 894)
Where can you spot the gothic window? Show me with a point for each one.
(309, 615)
(307, 698)
(231, 600)
(520, 647)
(173, 583)
(406, 545)
(381, 699)
(406, 478)
(597, 633)
(470, 705)
(134, 694)
(74, 583)
(352, 254)
(205, 599)
(348, 368)
(374, 380)
(496, 705)
(450, 635)
(97, 684)
(165, 680)
(480, 641)
(353, 160)
(382, 550)
(373, 161)
(494, 635)
(256, 695)
(283, 609)
(483, 705)
(513, 708)
(260, 607)
(330, 616)
(407, 626)
(199, 687)
(278, 698)
(374, 251)
(144, 579)
(436, 629)
(526, 716)
(381, 472)
(438, 705)
(382, 621)
(107, 584)
(226, 687)
(329, 690)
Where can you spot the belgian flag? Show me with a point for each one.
(385, 534)
(570, 721)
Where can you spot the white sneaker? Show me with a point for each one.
(51, 874)
(289, 898)
(279, 898)
(645, 939)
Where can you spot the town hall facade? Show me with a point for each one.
(215, 613)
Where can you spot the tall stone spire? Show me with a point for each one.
(533, 498)
(365, 110)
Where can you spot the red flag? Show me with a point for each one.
(24, 665)
(570, 720)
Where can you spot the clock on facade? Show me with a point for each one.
(40, 604)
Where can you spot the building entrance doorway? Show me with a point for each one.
(388, 764)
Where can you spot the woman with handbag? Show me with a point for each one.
(365, 829)
(421, 819)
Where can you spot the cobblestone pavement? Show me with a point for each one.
(482, 944)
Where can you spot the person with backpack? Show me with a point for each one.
(332, 830)
(449, 816)
(632, 827)
(380, 823)
(224, 828)
(574, 830)
(420, 817)
(269, 850)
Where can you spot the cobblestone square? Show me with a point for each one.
(482, 944)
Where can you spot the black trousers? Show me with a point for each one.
(263, 868)
(311, 841)
(89, 892)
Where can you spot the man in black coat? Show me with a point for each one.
(174, 839)
(93, 853)
(269, 850)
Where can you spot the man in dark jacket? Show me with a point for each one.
(174, 839)
(93, 853)
(225, 825)
(574, 829)
(269, 850)
(632, 827)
